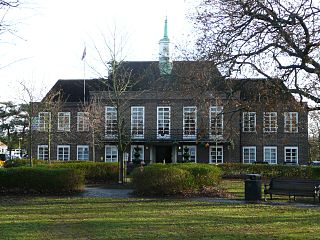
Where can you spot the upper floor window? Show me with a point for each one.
(190, 153)
(249, 122)
(291, 154)
(137, 122)
(163, 122)
(270, 122)
(83, 152)
(82, 121)
(111, 153)
(63, 121)
(249, 154)
(216, 122)
(111, 122)
(270, 155)
(291, 122)
(63, 152)
(216, 154)
(43, 152)
(44, 121)
(189, 122)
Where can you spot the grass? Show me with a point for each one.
(139, 218)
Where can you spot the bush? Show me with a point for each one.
(41, 180)
(21, 162)
(239, 170)
(95, 172)
(160, 179)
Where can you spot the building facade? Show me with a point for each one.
(172, 112)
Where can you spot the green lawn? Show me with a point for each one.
(138, 218)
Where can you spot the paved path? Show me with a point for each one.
(102, 191)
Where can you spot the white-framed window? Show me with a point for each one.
(111, 153)
(137, 149)
(163, 122)
(192, 150)
(111, 122)
(189, 122)
(216, 122)
(249, 154)
(83, 152)
(44, 121)
(64, 121)
(43, 152)
(137, 122)
(291, 154)
(63, 152)
(291, 122)
(82, 121)
(270, 155)
(249, 122)
(270, 122)
(216, 154)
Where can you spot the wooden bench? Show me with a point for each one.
(293, 187)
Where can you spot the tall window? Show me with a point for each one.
(63, 152)
(192, 151)
(111, 153)
(249, 122)
(137, 122)
(291, 154)
(270, 155)
(43, 153)
(83, 152)
(44, 121)
(249, 154)
(216, 154)
(64, 121)
(111, 122)
(270, 122)
(137, 149)
(82, 121)
(189, 122)
(291, 122)
(216, 122)
(163, 122)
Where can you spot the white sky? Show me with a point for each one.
(52, 35)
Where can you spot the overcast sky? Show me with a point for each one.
(50, 37)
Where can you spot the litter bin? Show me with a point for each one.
(252, 187)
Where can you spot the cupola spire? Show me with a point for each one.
(165, 64)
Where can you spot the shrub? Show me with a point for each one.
(160, 179)
(21, 162)
(154, 180)
(239, 170)
(95, 172)
(41, 180)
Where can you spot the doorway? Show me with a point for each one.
(163, 153)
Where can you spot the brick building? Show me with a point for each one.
(173, 112)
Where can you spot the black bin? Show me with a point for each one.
(252, 187)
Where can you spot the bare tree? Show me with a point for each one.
(269, 38)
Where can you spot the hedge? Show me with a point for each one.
(172, 179)
(239, 170)
(94, 172)
(21, 162)
(41, 180)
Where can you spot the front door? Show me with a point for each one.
(163, 153)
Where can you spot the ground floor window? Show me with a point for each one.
(190, 153)
(137, 152)
(43, 152)
(216, 154)
(63, 152)
(270, 155)
(291, 154)
(83, 152)
(111, 153)
(249, 154)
